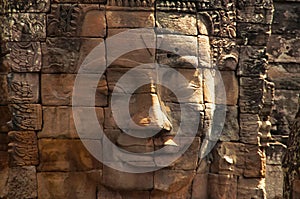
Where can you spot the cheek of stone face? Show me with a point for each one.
(187, 91)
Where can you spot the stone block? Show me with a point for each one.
(262, 3)
(220, 87)
(26, 116)
(251, 94)
(274, 181)
(253, 34)
(254, 14)
(135, 47)
(5, 118)
(255, 162)
(79, 185)
(204, 52)
(123, 19)
(137, 82)
(229, 158)
(87, 20)
(200, 186)
(67, 55)
(224, 23)
(130, 5)
(284, 48)
(231, 87)
(188, 161)
(274, 154)
(222, 186)
(24, 88)
(67, 155)
(135, 144)
(24, 27)
(180, 44)
(105, 193)
(251, 187)
(215, 116)
(172, 181)
(24, 56)
(284, 113)
(59, 123)
(231, 126)
(22, 182)
(57, 89)
(118, 180)
(286, 18)
(285, 76)
(225, 53)
(183, 193)
(238, 159)
(249, 127)
(177, 23)
(3, 90)
(188, 116)
(23, 150)
(253, 61)
(176, 86)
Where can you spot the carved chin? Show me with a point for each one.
(162, 181)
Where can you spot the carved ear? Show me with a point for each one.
(205, 24)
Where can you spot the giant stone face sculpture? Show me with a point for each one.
(156, 134)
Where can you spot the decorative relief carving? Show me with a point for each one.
(189, 6)
(26, 116)
(258, 3)
(61, 55)
(23, 87)
(192, 5)
(23, 148)
(24, 27)
(253, 61)
(76, 20)
(24, 6)
(223, 23)
(24, 56)
(63, 20)
(131, 3)
(224, 53)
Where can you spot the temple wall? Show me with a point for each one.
(45, 43)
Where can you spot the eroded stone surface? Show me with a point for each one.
(22, 182)
(76, 20)
(123, 19)
(66, 55)
(118, 180)
(24, 88)
(222, 186)
(68, 184)
(177, 23)
(67, 155)
(57, 89)
(23, 148)
(24, 27)
(64, 127)
(26, 116)
(24, 56)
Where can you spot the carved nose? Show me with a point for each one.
(156, 117)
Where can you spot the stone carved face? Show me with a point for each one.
(155, 108)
